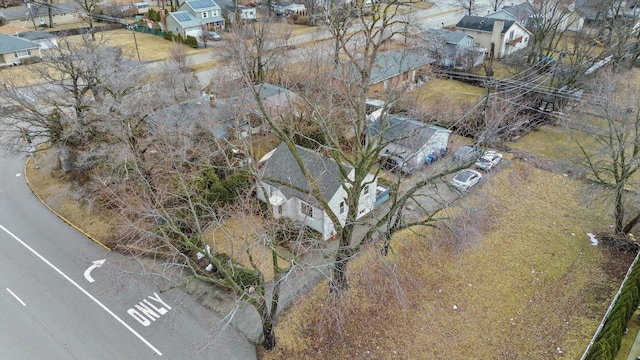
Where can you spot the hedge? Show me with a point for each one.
(610, 337)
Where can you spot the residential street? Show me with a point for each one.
(56, 311)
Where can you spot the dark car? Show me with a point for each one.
(467, 153)
(397, 164)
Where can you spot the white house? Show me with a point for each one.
(507, 35)
(413, 140)
(245, 13)
(289, 191)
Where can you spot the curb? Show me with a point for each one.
(26, 178)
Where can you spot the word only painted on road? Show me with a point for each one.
(149, 310)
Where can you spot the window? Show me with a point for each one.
(511, 34)
(526, 39)
(468, 42)
(477, 44)
(365, 191)
(341, 207)
(205, 15)
(306, 209)
(23, 53)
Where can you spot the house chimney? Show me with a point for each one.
(212, 100)
(496, 36)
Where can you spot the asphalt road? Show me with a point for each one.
(50, 309)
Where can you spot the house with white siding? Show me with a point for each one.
(288, 190)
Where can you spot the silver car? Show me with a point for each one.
(466, 179)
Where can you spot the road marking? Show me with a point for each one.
(145, 312)
(96, 264)
(16, 296)
(104, 307)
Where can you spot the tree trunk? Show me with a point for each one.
(50, 13)
(268, 332)
(619, 210)
(631, 224)
(339, 280)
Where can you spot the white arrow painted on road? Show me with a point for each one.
(96, 264)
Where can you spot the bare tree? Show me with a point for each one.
(611, 151)
(33, 9)
(495, 4)
(88, 7)
(336, 100)
(178, 57)
(468, 5)
(263, 51)
(550, 20)
(61, 110)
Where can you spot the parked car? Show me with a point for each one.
(214, 36)
(489, 160)
(396, 164)
(466, 179)
(467, 153)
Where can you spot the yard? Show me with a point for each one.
(523, 282)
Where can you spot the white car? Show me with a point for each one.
(465, 179)
(489, 160)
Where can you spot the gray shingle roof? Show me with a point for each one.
(188, 115)
(388, 65)
(36, 35)
(409, 133)
(481, 23)
(446, 35)
(283, 169)
(10, 44)
(521, 11)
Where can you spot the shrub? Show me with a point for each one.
(303, 20)
(191, 41)
(610, 337)
(31, 60)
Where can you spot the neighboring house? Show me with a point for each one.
(45, 40)
(15, 51)
(453, 48)
(507, 35)
(411, 139)
(235, 116)
(183, 23)
(245, 12)
(525, 14)
(288, 189)
(142, 7)
(194, 16)
(598, 11)
(390, 69)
